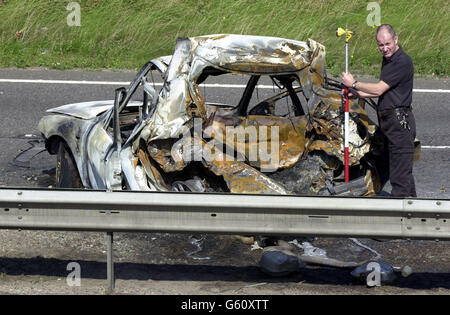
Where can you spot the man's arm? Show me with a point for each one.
(365, 95)
(365, 89)
(372, 89)
(359, 95)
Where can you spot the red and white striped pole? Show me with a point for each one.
(346, 120)
(340, 31)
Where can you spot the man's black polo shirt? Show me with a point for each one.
(398, 73)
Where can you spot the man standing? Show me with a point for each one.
(394, 92)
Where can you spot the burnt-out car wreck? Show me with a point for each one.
(176, 140)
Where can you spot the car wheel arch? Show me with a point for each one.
(52, 145)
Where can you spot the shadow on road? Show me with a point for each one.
(39, 266)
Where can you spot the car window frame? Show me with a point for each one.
(149, 66)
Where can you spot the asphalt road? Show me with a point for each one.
(23, 104)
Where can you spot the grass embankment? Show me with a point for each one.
(125, 34)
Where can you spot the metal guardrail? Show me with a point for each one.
(132, 211)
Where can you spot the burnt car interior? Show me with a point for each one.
(284, 83)
(285, 95)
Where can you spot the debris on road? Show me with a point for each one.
(23, 159)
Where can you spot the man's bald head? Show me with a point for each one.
(386, 28)
(387, 40)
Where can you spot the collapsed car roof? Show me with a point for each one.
(253, 54)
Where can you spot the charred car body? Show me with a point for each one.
(175, 140)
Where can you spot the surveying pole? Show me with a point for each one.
(345, 101)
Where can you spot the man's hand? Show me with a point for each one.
(350, 94)
(347, 79)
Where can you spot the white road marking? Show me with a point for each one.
(431, 91)
(214, 85)
(63, 82)
(439, 147)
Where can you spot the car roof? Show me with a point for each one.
(255, 54)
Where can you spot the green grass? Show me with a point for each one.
(125, 34)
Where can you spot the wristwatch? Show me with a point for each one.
(354, 84)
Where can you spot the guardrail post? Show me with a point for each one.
(110, 262)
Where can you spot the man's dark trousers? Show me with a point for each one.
(401, 151)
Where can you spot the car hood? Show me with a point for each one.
(86, 110)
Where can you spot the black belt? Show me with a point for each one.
(396, 110)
